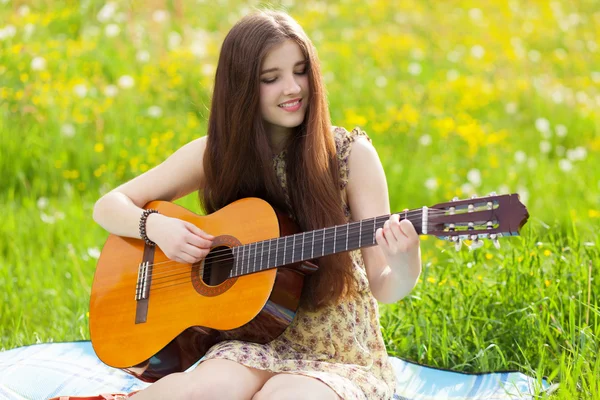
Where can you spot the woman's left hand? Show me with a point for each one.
(400, 244)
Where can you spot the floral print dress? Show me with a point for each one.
(341, 345)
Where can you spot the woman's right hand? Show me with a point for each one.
(180, 240)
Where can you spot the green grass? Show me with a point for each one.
(447, 118)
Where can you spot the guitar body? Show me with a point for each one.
(187, 308)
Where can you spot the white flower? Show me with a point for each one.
(381, 81)
(542, 125)
(454, 56)
(48, 219)
(452, 75)
(23, 10)
(577, 154)
(112, 30)
(596, 76)
(534, 56)
(110, 91)
(80, 90)
(126, 82)
(431, 183)
(520, 156)
(477, 51)
(93, 252)
(414, 68)
(565, 165)
(67, 130)
(106, 12)
(545, 146)
(142, 56)
(475, 14)
(7, 32)
(38, 64)
(467, 189)
(510, 108)
(208, 69)
(561, 130)
(154, 111)
(558, 96)
(160, 16)
(174, 40)
(425, 140)
(42, 202)
(417, 54)
(474, 176)
(28, 30)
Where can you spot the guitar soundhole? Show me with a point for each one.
(217, 266)
(210, 276)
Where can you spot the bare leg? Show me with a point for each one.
(295, 387)
(212, 379)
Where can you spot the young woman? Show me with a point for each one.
(269, 136)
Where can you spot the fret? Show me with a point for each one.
(323, 239)
(302, 251)
(293, 248)
(235, 260)
(334, 237)
(330, 245)
(284, 248)
(312, 247)
(342, 245)
(353, 238)
(262, 250)
(269, 254)
(252, 254)
(247, 256)
(359, 233)
(347, 231)
(277, 251)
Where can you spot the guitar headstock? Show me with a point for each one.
(488, 217)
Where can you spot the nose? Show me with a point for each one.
(291, 86)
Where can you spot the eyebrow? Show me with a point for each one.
(277, 69)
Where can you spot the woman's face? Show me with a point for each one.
(284, 87)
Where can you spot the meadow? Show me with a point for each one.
(459, 97)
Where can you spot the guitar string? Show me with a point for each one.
(226, 253)
(185, 269)
(181, 278)
(319, 233)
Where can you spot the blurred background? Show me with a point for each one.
(459, 97)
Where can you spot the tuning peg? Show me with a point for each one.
(457, 245)
(474, 196)
(492, 194)
(494, 239)
(457, 242)
(455, 198)
(476, 244)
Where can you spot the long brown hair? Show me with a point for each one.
(238, 160)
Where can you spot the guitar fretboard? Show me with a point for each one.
(273, 253)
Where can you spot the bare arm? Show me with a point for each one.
(393, 267)
(119, 210)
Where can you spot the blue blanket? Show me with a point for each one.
(47, 370)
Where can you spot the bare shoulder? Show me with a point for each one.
(367, 189)
(180, 174)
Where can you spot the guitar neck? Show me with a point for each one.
(273, 253)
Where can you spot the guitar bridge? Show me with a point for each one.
(142, 288)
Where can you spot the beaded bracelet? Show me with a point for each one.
(143, 226)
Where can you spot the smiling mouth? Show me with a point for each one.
(290, 104)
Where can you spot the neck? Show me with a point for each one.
(278, 137)
(285, 250)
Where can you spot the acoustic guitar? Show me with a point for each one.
(152, 316)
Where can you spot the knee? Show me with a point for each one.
(186, 386)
